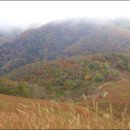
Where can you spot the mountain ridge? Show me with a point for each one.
(62, 39)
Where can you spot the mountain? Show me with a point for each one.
(7, 36)
(63, 39)
(79, 70)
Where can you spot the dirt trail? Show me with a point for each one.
(103, 93)
(108, 83)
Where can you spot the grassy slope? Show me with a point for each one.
(119, 95)
(17, 112)
(117, 99)
(29, 113)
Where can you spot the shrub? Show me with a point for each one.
(98, 78)
(23, 89)
(106, 66)
(94, 66)
(111, 74)
(60, 93)
(71, 84)
(128, 67)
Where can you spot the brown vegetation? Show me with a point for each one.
(28, 113)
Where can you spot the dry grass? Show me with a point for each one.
(16, 112)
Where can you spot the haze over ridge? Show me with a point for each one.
(35, 13)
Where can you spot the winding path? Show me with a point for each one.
(102, 93)
(109, 83)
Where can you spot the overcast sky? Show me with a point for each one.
(29, 13)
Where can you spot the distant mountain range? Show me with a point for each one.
(63, 39)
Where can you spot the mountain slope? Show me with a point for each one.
(70, 77)
(7, 36)
(62, 39)
(41, 114)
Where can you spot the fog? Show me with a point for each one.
(30, 14)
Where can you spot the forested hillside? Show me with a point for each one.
(63, 39)
(65, 78)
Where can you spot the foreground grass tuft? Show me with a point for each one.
(29, 113)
